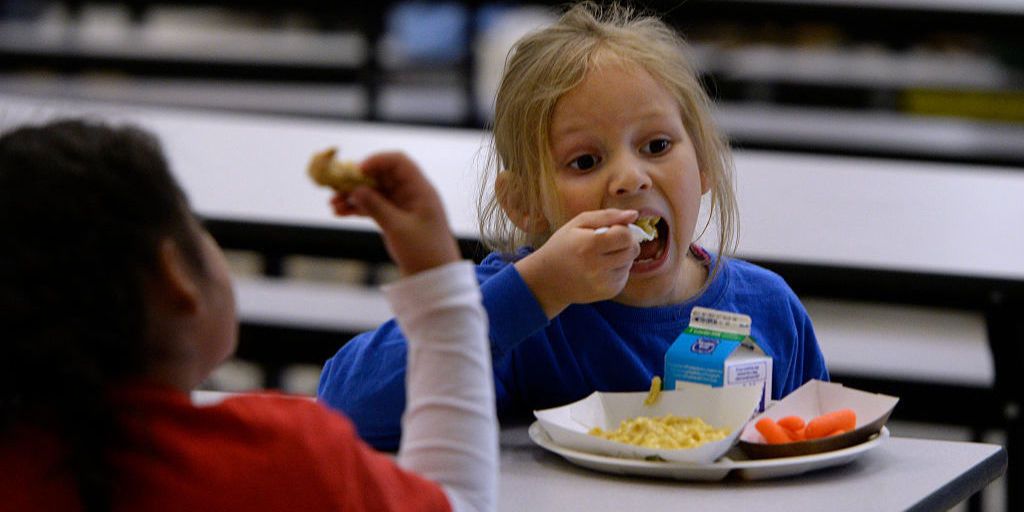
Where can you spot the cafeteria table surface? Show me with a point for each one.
(899, 473)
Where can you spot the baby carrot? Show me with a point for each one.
(797, 435)
(843, 419)
(771, 431)
(791, 423)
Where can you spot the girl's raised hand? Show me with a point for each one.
(407, 209)
(577, 265)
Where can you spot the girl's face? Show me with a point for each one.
(618, 141)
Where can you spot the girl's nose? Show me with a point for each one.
(629, 178)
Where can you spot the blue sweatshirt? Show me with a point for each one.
(602, 346)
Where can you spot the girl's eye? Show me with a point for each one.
(584, 162)
(657, 146)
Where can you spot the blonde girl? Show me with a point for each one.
(601, 122)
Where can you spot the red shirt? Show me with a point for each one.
(252, 453)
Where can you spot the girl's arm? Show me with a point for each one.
(450, 424)
(366, 378)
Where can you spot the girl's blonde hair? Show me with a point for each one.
(545, 65)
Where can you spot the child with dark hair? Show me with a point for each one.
(116, 303)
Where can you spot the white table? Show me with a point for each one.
(246, 174)
(252, 169)
(899, 474)
(860, 213)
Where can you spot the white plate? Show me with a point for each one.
(742, 468)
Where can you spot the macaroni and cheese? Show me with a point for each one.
(669, 432)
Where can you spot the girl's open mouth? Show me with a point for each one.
(653, 250)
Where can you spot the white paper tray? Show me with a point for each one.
(718, 470)
(729, 408)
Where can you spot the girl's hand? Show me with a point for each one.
(577, 265)
(407, 209)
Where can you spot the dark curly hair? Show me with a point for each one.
(83, 207)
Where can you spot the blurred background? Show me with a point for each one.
(918, 80)
(927, 79)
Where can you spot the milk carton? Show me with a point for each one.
(716, 350)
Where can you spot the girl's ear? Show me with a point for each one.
(514, 205)
(175, 279)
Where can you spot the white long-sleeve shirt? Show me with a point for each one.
(449, 428)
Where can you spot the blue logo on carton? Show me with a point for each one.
(704, 345)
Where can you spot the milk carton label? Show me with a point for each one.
(716, 350)
(745, 374)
